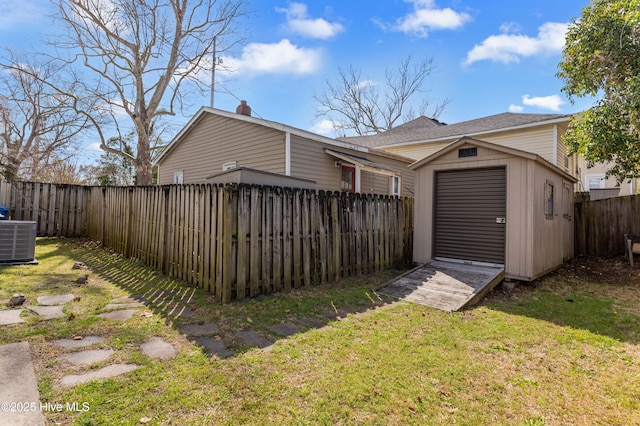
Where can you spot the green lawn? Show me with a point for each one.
(563, 350)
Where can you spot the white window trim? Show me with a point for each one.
(391, 190)
(600, 176)
(178, 178)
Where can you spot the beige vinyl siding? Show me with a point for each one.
(534, 243)
(417, 152)
(539, 140)
(310, 161)
(216, 140)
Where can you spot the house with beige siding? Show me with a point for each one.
(539, 134)
(220, 147)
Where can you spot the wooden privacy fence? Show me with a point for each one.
(601, 224)
(239, 241)
(59, 210)
(235, 241)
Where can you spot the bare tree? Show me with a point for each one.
(37, 124)
(137, 54)
(364, 107)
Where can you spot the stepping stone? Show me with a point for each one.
(60, 299)
(285, 329)
(206, 329)
(121, 315)
(11, 316)
(312, 322)
(109, 371)
(18, 384)
(158, 348)
(129, 299)
(251, 338)
(73, 344)
(213, 346)
(116, 306)
(87, 357)
(48, 312)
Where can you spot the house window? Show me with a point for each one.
(348, 179)
(178, 178)
(595, 182)
(549, 194)
(395, 185)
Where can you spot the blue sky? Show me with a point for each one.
(490, 56)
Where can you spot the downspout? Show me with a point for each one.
(287, 154)
(555, 145)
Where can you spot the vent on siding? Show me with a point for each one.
(17, 241)
(467, 152)
(229, 165)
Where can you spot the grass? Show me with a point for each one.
(563, 350)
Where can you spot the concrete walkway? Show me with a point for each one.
(18, 387)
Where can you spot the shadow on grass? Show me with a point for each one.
(593, 294)
(231, 328)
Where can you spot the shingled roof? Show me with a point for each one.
(425, 129)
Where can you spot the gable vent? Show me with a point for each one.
(467, 152)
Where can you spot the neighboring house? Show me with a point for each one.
(594, 180)
(540, 134)
(215, 142)
(482, 202)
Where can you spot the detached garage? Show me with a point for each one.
(477, 202)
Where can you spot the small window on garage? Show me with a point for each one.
(178, 178)
(549, 196)
(395, 185)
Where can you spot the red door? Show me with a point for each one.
(348, 179)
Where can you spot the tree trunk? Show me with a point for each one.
(144, 176)
(11, 169)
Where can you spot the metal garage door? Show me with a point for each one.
(469, 206)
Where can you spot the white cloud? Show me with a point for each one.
(299, 22)
(427, 17)
(326, 127)
(14, 13)
(553, 102)
(508, 48)
(274, 58)
(516, 108)
(95, 147)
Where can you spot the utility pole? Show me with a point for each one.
(214, 61)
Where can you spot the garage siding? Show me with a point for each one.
(467, 203)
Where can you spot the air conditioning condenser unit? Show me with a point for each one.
(17, 242)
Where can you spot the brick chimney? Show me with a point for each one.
(243, 109)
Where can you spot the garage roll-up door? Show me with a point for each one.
(469, 206)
